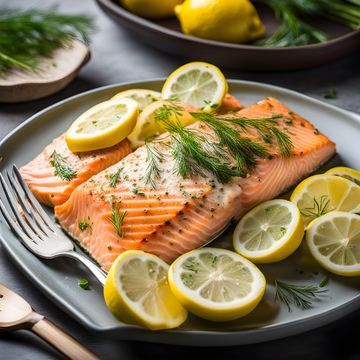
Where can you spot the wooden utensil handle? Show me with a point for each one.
(62, 341)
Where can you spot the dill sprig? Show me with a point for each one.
(153, 157)
(117, 218)
(294, 32)
(267, 131)
(25, 35)
(165, 111)
(192, 151)
(195, 151)
(241, 148)
(296, 294)
(61, 167)
(320, 208)
(114, 177)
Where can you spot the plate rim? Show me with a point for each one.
(186, 337)
(146, 23)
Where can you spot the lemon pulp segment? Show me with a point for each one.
(346, 173)
(147, 126)
(321, 194)
(216, 284)
(199, 84)
(102, 126)
(137, 292)
(270, 232)
(334, 241)
(143, 97)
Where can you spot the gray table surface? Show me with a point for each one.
(116, 58)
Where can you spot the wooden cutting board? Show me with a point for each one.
(19, 85)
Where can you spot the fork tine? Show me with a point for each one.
(27, 209)
(13, 225)
(13, 204)
(34, 202)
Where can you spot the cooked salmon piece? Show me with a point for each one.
(182, 214)
(51, 189)
(229, 104)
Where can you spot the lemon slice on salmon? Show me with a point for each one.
(137, 292)
(102, 126)
(199, 84)
(142, 96)
(346, 173)
(147, 126)
(216, 284)
(321, 194)
(334, 242)
(270, 232)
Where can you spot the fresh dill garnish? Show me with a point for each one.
(165, 111)
(267, 131)
(61, 167)
(324, 281)
(293, 31)
(83, 225)
(114, 177)
(136, 191)
(153, 157)
(25, 35)
(320, 208)
(83, 284)
(296, 294)
(117, 218)
(241, 148)
(195, 151)
(329, 94)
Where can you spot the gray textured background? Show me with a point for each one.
(116, 58)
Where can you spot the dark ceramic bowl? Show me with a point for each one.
(166, 36)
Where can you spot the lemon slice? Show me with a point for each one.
(334, 242)
(216, 284)
(321, 194)
(147, 126)
(102, 126)
(270, 232)
(199, 84)
(346, 173)
(142, 96)
(137, 292)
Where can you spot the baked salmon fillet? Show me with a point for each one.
(51, 189)
(182, 214)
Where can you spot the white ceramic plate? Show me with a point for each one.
(58, 278)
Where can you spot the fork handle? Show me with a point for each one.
(94, 269)
(62, 341)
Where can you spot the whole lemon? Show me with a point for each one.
(151, 9)
(234, 21)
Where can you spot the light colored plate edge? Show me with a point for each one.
(193, 338)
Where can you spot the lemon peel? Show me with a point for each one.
(137, 292)
(334, 240)
(216, 284)
(199, 84)
(321, 194)
(102, 126)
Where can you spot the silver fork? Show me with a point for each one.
(38, 233)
